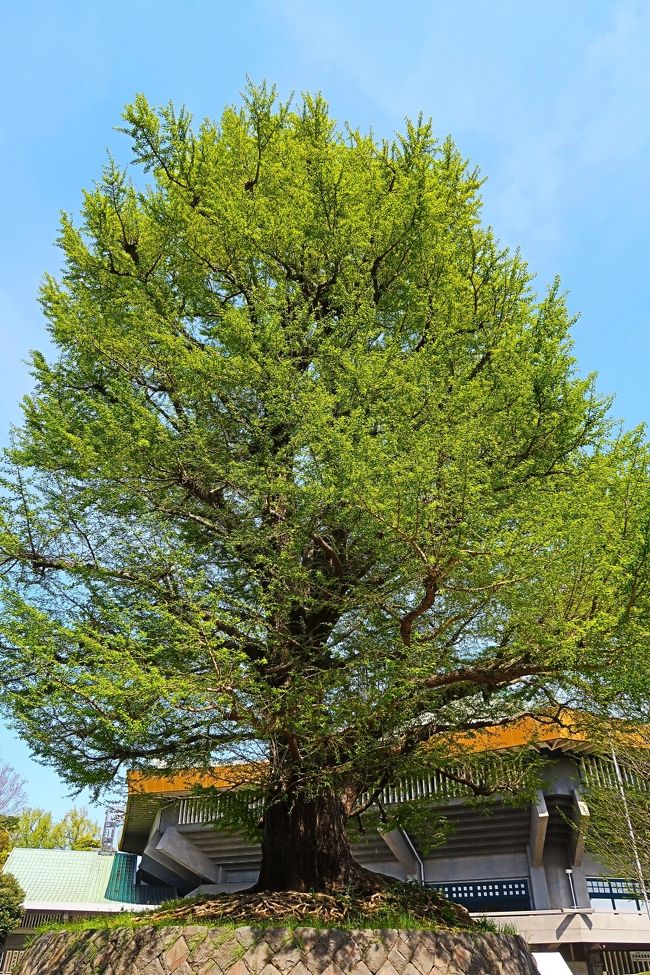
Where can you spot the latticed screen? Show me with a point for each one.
(34, 919)
(8, 960)
(614, 895)
(488, 895)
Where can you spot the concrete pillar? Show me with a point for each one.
(178, 848)
(538, 827)
(580, 816)
(402, 852)
(161, 874)
(183, 879)
(538, 886)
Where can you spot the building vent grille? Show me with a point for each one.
(488, 896)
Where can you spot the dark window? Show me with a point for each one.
(606, 894)
(484, 896)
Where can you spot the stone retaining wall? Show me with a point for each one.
(199, 950)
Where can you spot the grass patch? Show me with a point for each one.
(111, 922)
(396, 905)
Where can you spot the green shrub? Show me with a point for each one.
(11, 904)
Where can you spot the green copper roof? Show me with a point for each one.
(81, 877)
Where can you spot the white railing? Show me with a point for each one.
(624, 962)
(600, 772)
(33, 919)
(8, 961)
(435, 785)
(192, 812)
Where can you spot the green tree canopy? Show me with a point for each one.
(79, 831)
(7, 826)
(37, 828)
(11, 905)
(311, 478)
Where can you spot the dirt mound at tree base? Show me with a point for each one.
(392, 905)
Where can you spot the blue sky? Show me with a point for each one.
(549, 99)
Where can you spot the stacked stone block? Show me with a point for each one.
(202, 950)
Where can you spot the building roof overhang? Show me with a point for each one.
(149, 792)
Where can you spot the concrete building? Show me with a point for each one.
(525, 867)
(63, 885)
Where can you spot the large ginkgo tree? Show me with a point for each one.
(309, 481)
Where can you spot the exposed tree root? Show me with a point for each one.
(366, 904)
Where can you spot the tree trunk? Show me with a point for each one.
(305, 845)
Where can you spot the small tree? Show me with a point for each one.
(11, 905)
(79, 831)
(37, 828)
(312, 481)
(619, 825)
(12, 790)
(8, 825)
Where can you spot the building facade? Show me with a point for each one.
(525, 867)
(67, 885)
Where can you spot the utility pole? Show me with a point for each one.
(628, 820)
